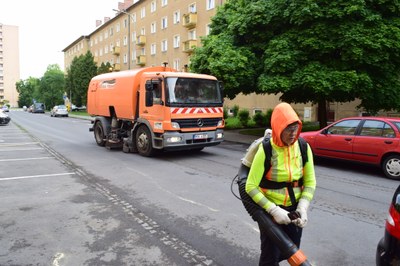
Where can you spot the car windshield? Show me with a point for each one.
(191, 91)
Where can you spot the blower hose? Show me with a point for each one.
(289, 250)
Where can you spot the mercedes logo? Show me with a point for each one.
(200, 122)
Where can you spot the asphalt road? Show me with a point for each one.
(66, 201)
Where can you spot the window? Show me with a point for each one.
(164, 22)
(177, 41)
(125, 58)
(164, 45)
(153, 49)
(164, 2)
(208, 29)
(376, 129)
(106, 49)
(192, 8)
(125, 40)
(153, 27)
(192, 35)
(177, 17)
(142, 12)
(176, 64)
(210, 4)
(118, 27)
(126, 23)
(153, 6)
(347, 127)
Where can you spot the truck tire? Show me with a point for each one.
(144, 143)
(99, 135)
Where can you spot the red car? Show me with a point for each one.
(388, 250)
(372, 140)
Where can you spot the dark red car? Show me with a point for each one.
(371, 140)
(388, 250)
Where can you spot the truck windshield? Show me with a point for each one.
(192, 91)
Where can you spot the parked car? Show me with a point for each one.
(371, 140)
(38, 108)
(4, 118)
(59, 110)
(5, 108)
(388, 250)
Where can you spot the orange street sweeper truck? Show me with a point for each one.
(157, 108)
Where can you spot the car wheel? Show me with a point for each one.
(391, 167)
(144, 142)
(99, 134)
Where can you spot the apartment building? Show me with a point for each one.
(9, 64)
(150, 32)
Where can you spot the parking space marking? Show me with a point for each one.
(34, 176)
(25, 159)
(24, 149)
(17, 144)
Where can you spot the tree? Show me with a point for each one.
(81, 71)
(52, 86)
(104, 68)
(26, 90)
(308, 51)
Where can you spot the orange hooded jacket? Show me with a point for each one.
(286, 164)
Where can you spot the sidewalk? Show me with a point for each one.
(234, 135)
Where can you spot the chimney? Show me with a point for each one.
(121, 6)
(98, 23)
(106, 19)
(127, 3)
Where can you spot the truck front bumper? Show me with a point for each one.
(191, 140)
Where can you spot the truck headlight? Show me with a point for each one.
(175, 125)
(220, 123)
(220, 135)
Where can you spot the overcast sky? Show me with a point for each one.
(46, 27)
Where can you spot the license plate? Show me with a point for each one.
(200, 136)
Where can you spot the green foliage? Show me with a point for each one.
(244, 116)
(26, 90)
(232, 123)
(81, 71)
(307, 51)
(268, 115)
(260, 119)
(235, 110)
(104, 68)
(52, 87)
(225, 112)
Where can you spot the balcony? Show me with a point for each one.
(117, 67)
(141, 40)
(189, 45)
(141, 60)
(190, 20)
(116, 50)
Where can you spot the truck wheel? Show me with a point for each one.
(391, 167)
(143, 142)
(99, 134)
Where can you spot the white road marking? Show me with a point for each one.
(57, 259)
(33, 176)
(17, 144)
(25, 159)
(28, 149)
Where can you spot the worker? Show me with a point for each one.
(287, 186)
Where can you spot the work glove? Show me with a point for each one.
(280, 215)
(302, 208)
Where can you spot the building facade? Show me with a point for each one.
(9, 64)
(150, 32)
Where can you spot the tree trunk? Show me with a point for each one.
(322, 114)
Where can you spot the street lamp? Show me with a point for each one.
(129, 33)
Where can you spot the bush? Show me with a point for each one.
(244, 116)
(226, 112)
(260, 119)
(235, 110)
(268, 117)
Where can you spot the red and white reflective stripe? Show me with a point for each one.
(195, 110)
